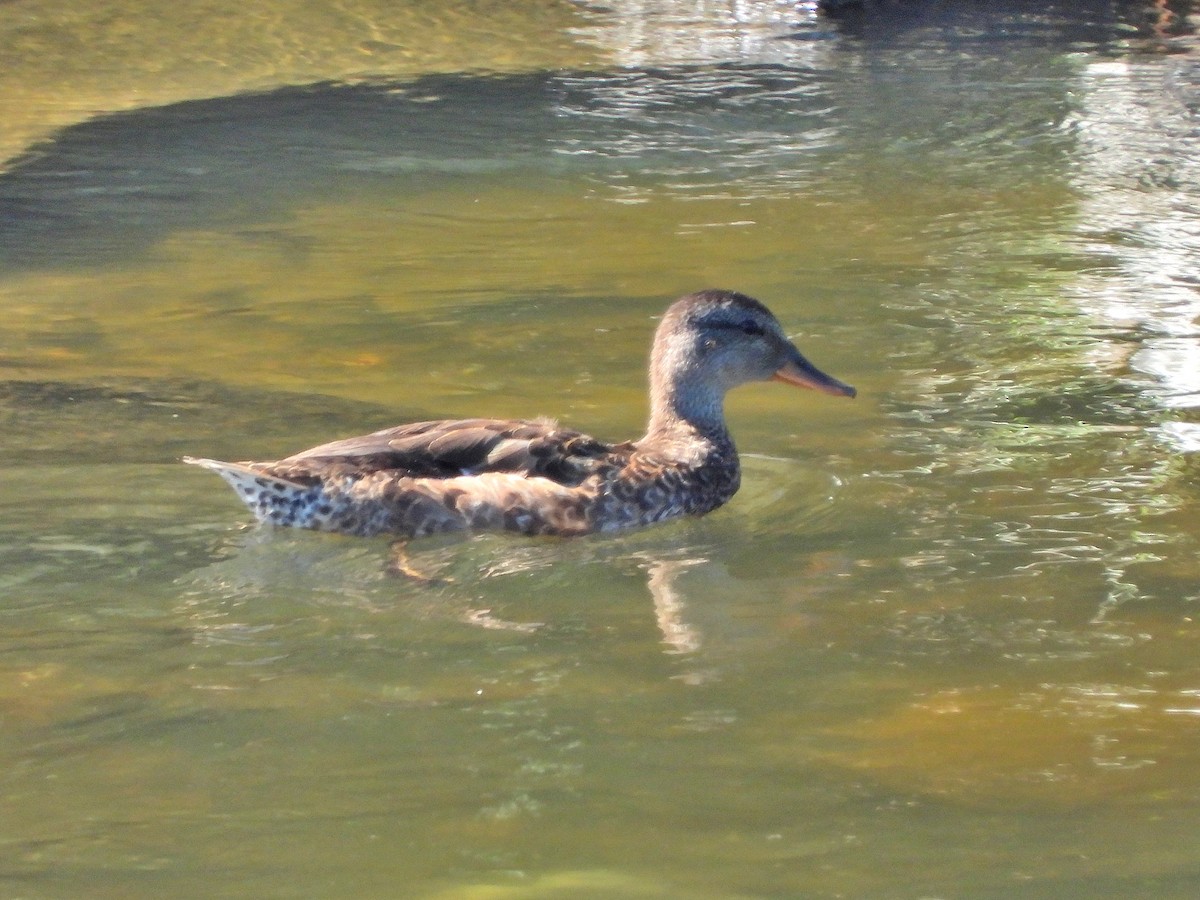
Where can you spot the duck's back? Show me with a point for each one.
(451, 448)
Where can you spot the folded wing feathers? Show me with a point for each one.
(447, 448)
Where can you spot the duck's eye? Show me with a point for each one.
(752, 327)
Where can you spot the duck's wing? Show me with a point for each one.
(454, 447)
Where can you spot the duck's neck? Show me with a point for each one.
(685, 409)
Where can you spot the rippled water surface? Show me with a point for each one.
(942, 644)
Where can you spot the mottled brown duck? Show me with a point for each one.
(534, 477)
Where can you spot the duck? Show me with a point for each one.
(534, 477)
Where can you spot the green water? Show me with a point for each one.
(942, 643)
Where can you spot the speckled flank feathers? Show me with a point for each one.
(532, 476)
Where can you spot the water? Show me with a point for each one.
(941, 644)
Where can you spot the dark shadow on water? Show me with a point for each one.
(112, 187)
(150, 421)
(1097, 24)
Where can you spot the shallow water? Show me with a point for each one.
(941, 644)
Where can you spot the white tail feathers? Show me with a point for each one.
(243, 479)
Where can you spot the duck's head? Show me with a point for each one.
(712, 341)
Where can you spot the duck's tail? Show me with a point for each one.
(242, 477)
(270, 498)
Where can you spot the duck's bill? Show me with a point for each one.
(802, 373)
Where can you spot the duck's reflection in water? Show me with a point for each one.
(262, 576)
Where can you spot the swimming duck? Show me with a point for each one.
(534, 477)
